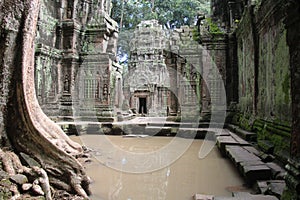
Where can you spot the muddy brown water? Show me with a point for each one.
(180, 180)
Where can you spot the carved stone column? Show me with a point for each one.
(97, 57)
(70, 62)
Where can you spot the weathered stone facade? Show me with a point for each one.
(187, 58)
(148, 78)
(266, 53)
(76, 49)
(258, 69)
(164, 72)
(264, 74)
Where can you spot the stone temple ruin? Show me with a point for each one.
(77, 77)
(75, 59)
(148, 79)
(170, 73)
(251, 48)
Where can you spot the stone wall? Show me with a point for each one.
(264, 75)
(76, 49)
(187, 56)
(274, 96)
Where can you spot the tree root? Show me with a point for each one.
(28, 129)
(12, 165)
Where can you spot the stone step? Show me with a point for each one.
(271, 187)
(246, 135)
(221, 132)
(223, 141)
(253, 150)
(278, 172)
(256, 172)
(240, 140)
(239, 154)
(231, 139)
(249, 165)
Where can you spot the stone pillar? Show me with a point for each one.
(293, 39)
(97, 57)
(69, 66)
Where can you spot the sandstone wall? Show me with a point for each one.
(264, 75)
(75, 51)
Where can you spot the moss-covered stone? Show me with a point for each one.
(272, 136)
(5, 192)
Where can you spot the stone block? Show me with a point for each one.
(253, 150)
(241, 141)
(261, 187)
(276, 188)
(271, 187)
(256, 172)
(240, 155)
(275, 169)
(248, 196)
(29, 160)
(246, 135)
(241, 165)
(267, 157)
(203, 197)
(223, 141)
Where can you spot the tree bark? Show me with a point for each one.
(28, 129)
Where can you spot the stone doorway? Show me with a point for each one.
(142, 105)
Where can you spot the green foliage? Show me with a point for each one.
(213, 27)
(170, 13)
(196, 34)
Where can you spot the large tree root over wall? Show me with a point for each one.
(28, 129)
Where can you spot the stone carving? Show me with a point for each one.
(149, 76)
(84, 34)
(66, 84)
(105, 92)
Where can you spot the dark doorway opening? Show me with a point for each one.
(142, 105)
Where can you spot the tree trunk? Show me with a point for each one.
(28, 129)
